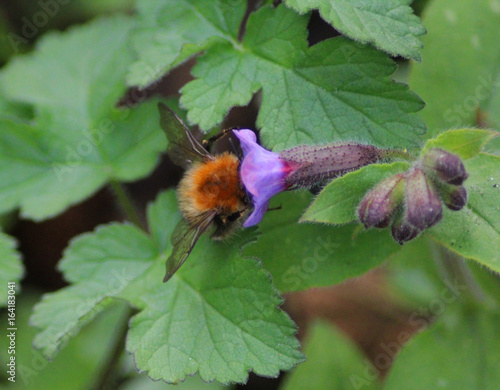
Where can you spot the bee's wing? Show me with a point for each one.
(183, 148)
(183, 240)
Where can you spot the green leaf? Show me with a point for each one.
(219, 313)
(115, 261)
(143, 382)
(459, 63)
(388, 24)
(459, 352)
(161, 213)
(474, 232)
(489, 283)
(11, 267)
(76, 367)
(333, 362)
(337, 203)
(301, 256)
(493, 119)
(78, 140)
(101, 264)
(466, 143)
(217, 316)
(171, 31)
(427, 280)
(76, 75)
(333, 90)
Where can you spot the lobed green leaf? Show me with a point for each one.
(78, 140)
(390, 25)
(219, 315)
(333, 90)
(172, 31)
(101, 265)
(11, 267)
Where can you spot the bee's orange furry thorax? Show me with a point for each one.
(212, 185)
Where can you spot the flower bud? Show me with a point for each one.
(423, 206)
(449, 167)
(402, 231)
(455, 198)
(378, 206)
(316, 164)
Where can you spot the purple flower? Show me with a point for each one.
(262, 172)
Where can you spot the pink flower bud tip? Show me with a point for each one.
(449, 167)
(402, 232)
(454, 198)
(378, 206)
(423, 206)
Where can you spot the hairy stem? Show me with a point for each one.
(454, 267)
(397, 154)
(109, 376)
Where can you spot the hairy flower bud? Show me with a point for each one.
(316, 164)
(378, 206)
(402, 231)
(423, 206)
(455, 198)
(449, 167)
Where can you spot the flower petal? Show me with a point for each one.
(262, 173)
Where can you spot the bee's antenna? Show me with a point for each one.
(209, 142)
(236, 150)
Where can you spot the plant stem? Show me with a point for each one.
(454, 267)
(108, 377)
(126, 204)
(397, 154)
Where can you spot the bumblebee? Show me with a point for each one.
(210, 194)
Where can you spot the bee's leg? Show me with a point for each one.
(234, 216)
(226, 224)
